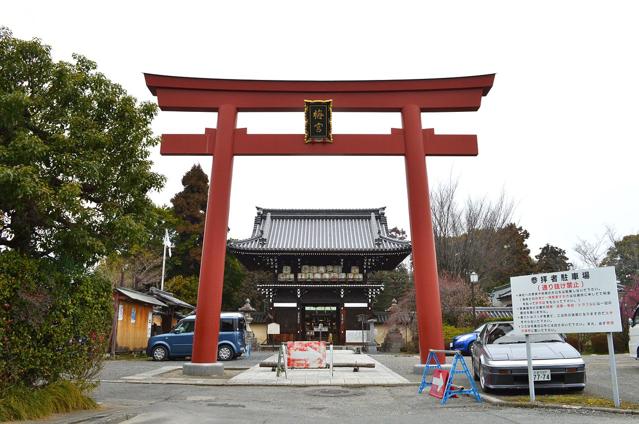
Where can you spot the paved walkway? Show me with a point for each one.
(379, 375)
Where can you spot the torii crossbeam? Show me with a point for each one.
(228, 97)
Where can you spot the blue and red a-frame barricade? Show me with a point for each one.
(434, 367)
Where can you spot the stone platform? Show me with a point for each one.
(342, 376)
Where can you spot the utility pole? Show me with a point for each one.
(167, 245)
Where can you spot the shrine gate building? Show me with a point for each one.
(320, 263)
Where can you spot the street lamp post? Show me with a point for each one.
(474, 278)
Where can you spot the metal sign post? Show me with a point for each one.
(531, 377)
(565, 302)
(613, 371)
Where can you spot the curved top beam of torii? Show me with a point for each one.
(207, 94)
(430, 95)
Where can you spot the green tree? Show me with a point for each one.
(396, 282)
(74, 178)
(552, 259)
(234, 275)
(248, 288)
(624, 256)
(140, 267)
(184, 288)
(74, 168)
(189, 207)
(510, 255)
(233, 295)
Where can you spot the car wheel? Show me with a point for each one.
(482, 379)
(160, 353)
(225, 353)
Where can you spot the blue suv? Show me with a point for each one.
(179, 342)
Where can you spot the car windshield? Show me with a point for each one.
(506, 334)
(479, 329)
(185, 327)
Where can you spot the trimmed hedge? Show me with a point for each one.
(451, 331)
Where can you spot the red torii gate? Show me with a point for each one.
(228, 97)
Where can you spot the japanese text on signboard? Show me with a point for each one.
(579, 301)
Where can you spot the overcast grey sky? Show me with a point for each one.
(558, 131)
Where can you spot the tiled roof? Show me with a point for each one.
(490, 312)
(493, 312)
(311, 230)
(169, 298)
(140, 297)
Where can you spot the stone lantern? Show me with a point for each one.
(246, 309)
(394, 341)
(393, 307)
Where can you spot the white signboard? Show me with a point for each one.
(355, 336)
(273, 328)
(149, 324)
(575, 301)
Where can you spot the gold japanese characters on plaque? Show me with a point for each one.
(318, 115)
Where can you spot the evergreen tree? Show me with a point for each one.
(234, 275)
(511, 254)
(189, 206)
(552, 259)
(624, 256)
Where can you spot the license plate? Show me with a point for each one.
(541, 375)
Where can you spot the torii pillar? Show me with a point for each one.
(228, 97)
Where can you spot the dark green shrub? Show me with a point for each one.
(52, 326)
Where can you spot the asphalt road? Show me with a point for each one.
(154, 403)
(224, 404)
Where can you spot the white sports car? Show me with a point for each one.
(499, 360)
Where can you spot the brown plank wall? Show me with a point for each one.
(132, 336)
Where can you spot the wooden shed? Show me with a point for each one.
(132, 320)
